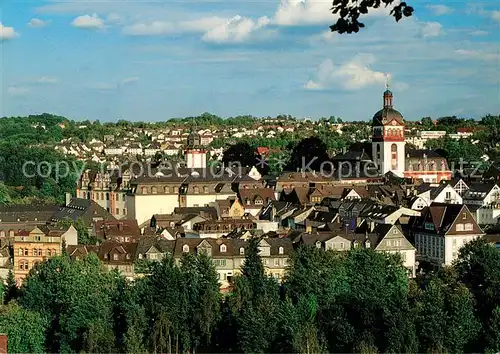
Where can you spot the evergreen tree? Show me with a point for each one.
(11, 290)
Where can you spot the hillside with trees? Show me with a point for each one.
(330, 302)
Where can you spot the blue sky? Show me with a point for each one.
(153, 60)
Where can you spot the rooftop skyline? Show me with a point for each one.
(156, 60)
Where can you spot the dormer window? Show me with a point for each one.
(185, 248)
(115, 257)
(318, 244)
(242, 251)
(154, 190)
(281, 250)
(223, 248)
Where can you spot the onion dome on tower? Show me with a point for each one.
(388, 113)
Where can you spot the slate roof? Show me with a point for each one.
(27, 213)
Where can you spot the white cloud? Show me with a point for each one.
(129, 80)
(236, 29)
(353, 75)
(46, 80)
(110, 86)
(114, 18)
(17, 90)
(7, 32)
(495, 15)
(479, 33)
(158, 28)
(88, 22)
(477, 54)
(431, 29)
(37, 23)
(440, 10)
(326, 36)
(306, 12)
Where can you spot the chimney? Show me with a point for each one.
(68, 198)
(3, 343)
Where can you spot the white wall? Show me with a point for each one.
(143, 207)
(452, 245)
(385, 164)
(266, 226)
(487, 216)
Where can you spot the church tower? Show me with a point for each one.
(388, 141)
(195, 153)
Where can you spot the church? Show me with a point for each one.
(390, 153)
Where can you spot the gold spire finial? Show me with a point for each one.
(387, 79)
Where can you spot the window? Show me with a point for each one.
(460, 227)
(276, 262)
(265, 261)
(144, 190)
(117, 197)
(220, 262)
(11, 233)
(185, 248)
(223, 248)
(342, 245)
(21, 252)
(154, 190)
(38, 238)
(394, 231)
(128, 256)
(378, 152)
(107, 196)
(23, 265)
(2, 233)
(259, 201)
(394, 156)
(205, 189)
(166, 190)
(117, 211)
(49, 253)
(176, 189)
(26, 251)
(196, 189)
(469, 227)
(448, 195)
(242, 251)
(281, 250)
(115, 257)
(127, 239)
(124, 211)
(464, 216)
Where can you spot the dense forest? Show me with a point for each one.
(355, 301)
